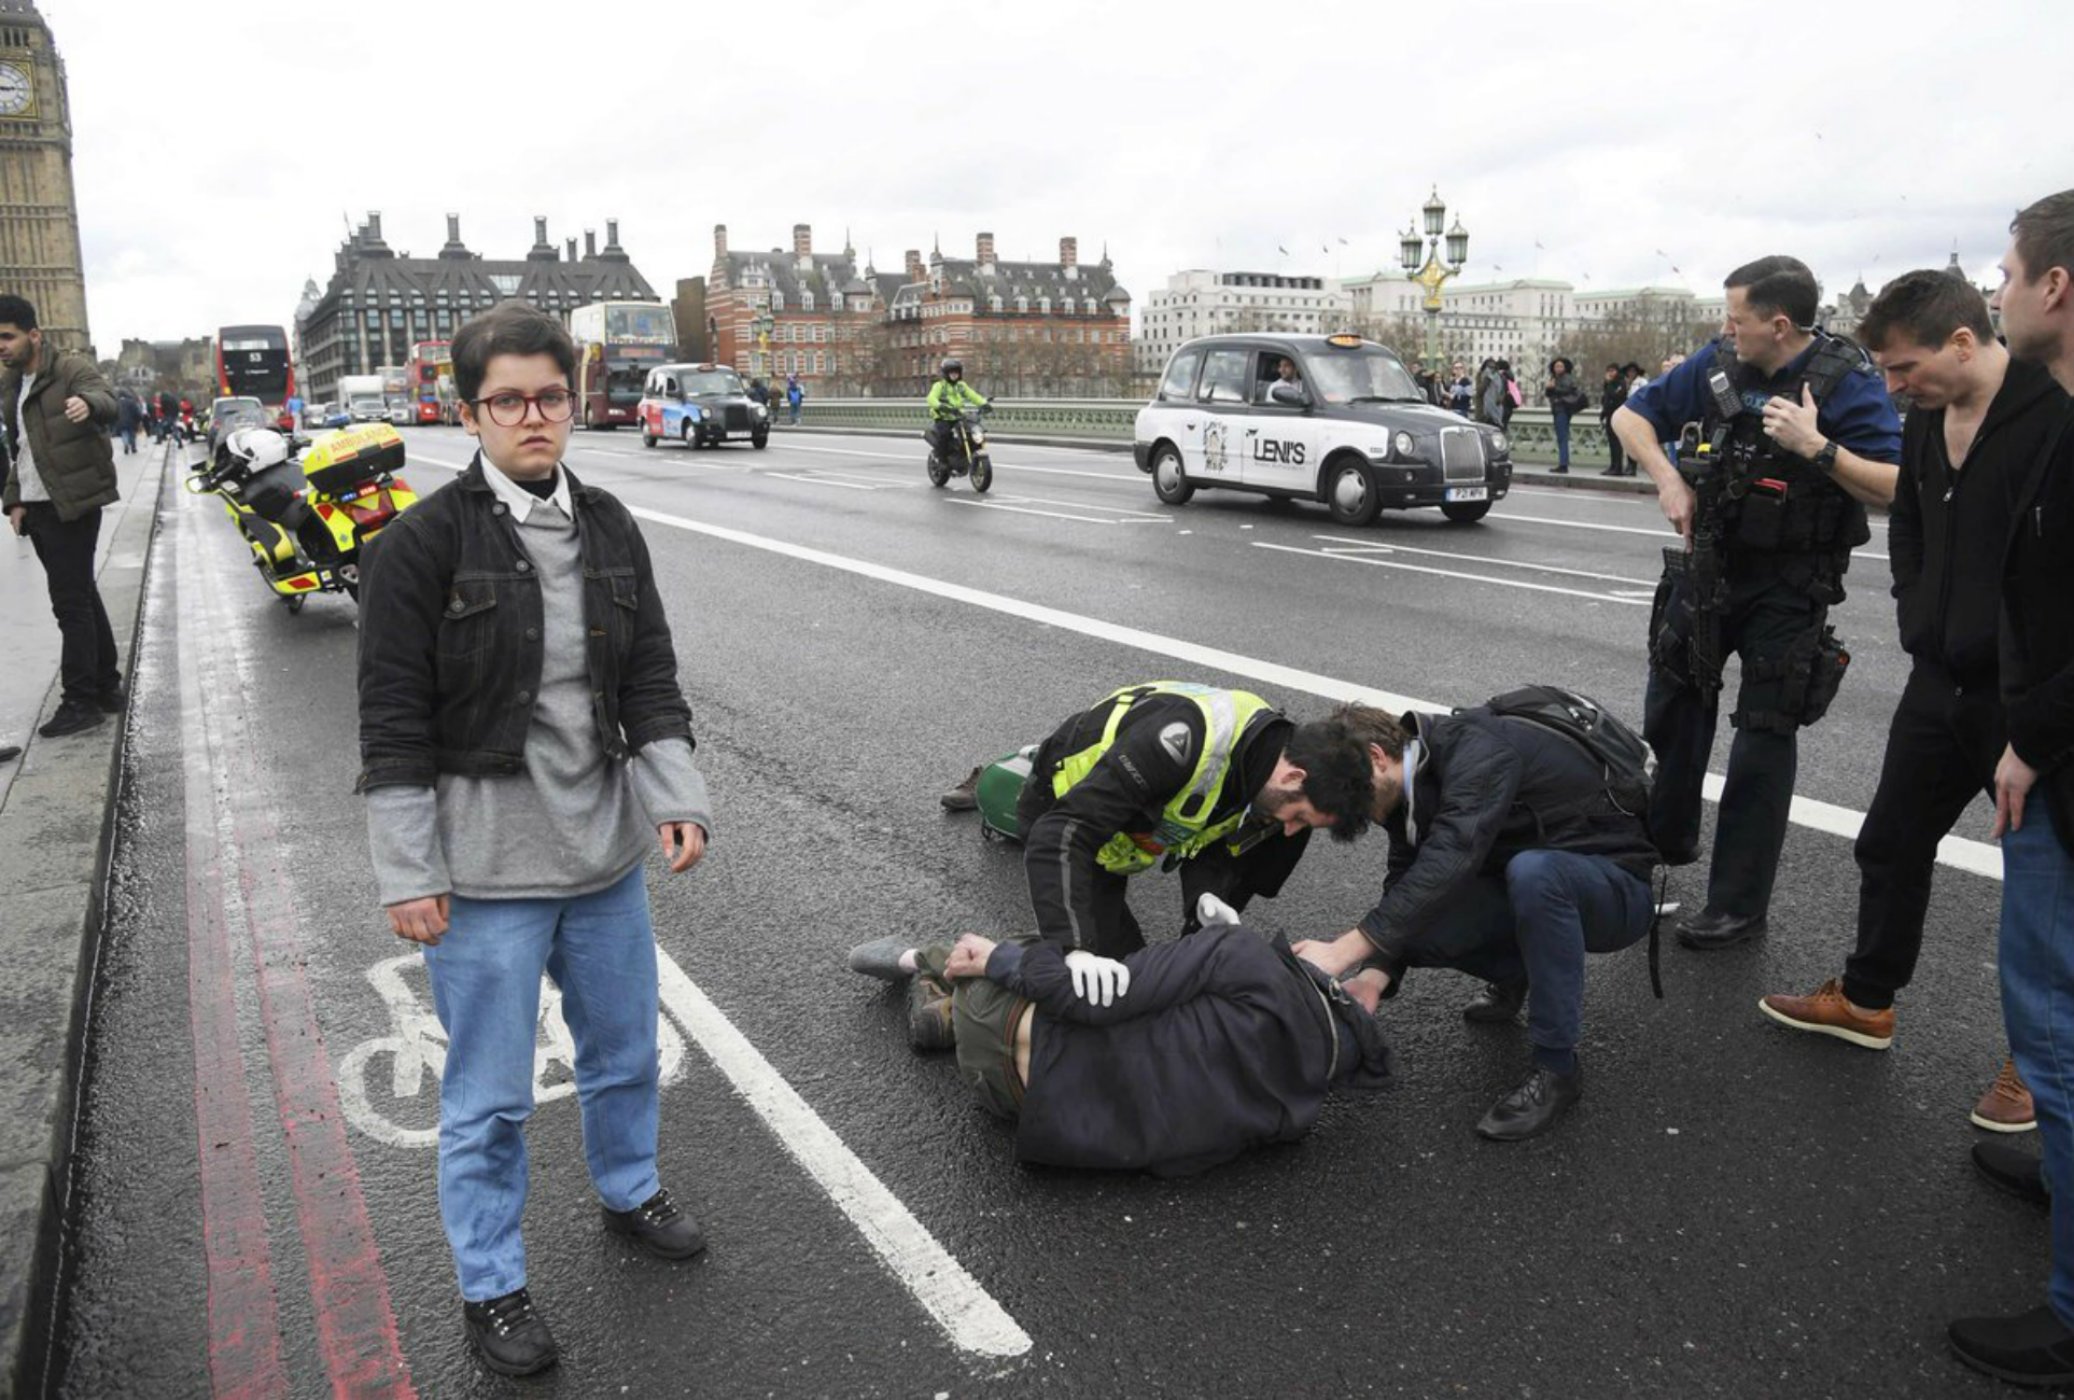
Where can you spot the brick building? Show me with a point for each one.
(1023, 328)
(378, 301)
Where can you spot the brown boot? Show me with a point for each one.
(965, 796)
(2006, 1107)
(929, 1015)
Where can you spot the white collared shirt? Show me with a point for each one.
(1414, 751)
(519, 500)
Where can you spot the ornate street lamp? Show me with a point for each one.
(762, 324)
(1425, 266)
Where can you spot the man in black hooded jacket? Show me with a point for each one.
(1226, 1041)
(1510, 859)
(1977, 426)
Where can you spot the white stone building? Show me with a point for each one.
(1206, 302)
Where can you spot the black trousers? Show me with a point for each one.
(87, 664)
(1769, 607)
(1942, 748)
(1613, 446)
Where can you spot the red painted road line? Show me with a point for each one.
(356, 1323)
(244, 1332)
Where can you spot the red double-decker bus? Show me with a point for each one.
(430, 363)
(253, 362)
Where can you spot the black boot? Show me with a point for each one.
(1707, 930)
(1497, 1003)
(658, 1227)
(965, 796)
(1534, 1106)
(2033, 1348)
(513, 1339)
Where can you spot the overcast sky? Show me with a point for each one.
(218, 143)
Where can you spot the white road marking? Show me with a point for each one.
(1977, 857)
(820, 481)
(1135, 479)
(1661, 532)
(967, 1313)
(1349, 547)
(1344, 557)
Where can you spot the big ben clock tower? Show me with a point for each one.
(39, 213)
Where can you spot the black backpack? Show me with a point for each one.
(1623, 755)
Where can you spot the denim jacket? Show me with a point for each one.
(450, 637)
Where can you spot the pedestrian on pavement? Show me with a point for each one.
(1511, 857)
(1978, 428)
(1493, 404)
(523, 739)
(1612, 394)
(55, 408)
(2034, 801)
(1800, 437)
(1461, 391)
(1215, 781)
(794, 395)
(1566, 398)
(128, 414)
(1227, 1041)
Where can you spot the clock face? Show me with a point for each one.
(15, 91)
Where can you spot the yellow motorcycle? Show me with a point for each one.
(307, 509)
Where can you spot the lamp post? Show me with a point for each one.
(1423, 263)
(763, 324)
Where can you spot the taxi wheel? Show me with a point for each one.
(691, 438)
(1168, 481)
(1350, 494)
(1466, 512)
(647, 438)
(761, 440)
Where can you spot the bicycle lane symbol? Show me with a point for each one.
(382, 1081)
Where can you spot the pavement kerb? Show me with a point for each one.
(57, 826)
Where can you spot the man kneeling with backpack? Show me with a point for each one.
(1517, 846)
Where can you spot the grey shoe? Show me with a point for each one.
(880, 958)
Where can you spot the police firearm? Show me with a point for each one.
(1787, 434)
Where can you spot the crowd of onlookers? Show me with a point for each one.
(1494, 392)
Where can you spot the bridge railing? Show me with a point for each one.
(1110, 420)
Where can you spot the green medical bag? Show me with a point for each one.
(1000, 788)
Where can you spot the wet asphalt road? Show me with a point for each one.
(1733, 1210)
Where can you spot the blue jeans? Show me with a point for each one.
(2037, 957)
(600, 950)
(1562, 432)
(1537, 923)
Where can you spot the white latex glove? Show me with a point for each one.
(1212, 912)
(1096, 979)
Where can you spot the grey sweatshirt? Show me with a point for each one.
(574, 822)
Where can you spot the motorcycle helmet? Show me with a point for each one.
(951, 365)
(257, 448)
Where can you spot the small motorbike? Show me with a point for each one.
(968, 454)
(307, 509)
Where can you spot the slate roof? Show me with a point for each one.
(371, 270)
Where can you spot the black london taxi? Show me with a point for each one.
(1332, 418)
(700, 406)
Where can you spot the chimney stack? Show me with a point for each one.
(802, 241)
(986, 251)
(453, 228)
(540, 229)
(1069, 252)
(720, 240)
(590, 243)
(570, 241)
(612, 233)
(374, 225)
(915, 270)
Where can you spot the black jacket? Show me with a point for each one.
(1225, 1041)
(1945, 528)
(1126, 790)
(450, 638)
(1486, 789)
(1612, 394)
(2038, 628)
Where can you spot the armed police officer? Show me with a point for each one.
(1215, 783)
(1793, 435)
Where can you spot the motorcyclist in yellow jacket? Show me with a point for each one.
(949, 396)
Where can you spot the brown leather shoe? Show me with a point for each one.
(2006, 1107)
(965, 796)
(1828, 1012)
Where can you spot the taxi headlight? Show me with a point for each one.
(757, 409)
(1499, 442)
(1405, 444)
